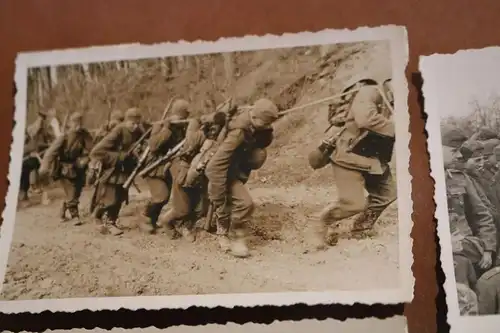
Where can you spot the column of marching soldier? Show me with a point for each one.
(201, 164)
(473, 191)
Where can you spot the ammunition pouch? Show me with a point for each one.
(375, 145)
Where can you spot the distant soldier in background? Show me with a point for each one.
(66, 160)
(118, 161)
(248, 134)
(39, 135)
(360, 159)
(471, 222)
(189, 185)
(467, 300)
(488, 292)
(164, 136)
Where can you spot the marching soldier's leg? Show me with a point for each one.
(381, 193)
(113, 211)
(242, 210)
(76, 191)
(350, 201)
(160, 193)
(180, 209)
(68, 195)
(35, 181)
(24, 185)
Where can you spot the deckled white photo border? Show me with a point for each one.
(399, 51)
(432, 107)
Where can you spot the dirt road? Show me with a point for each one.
(53, 260)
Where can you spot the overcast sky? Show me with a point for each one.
(459, 78)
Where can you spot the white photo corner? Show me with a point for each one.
(248, 171)
(462, 95)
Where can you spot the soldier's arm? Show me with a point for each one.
(194, 136)
(160, 133)
(52, 153)
(102, 151)
(217, 168)
(481, 217)
(365, 112)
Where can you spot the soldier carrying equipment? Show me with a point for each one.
(144, 157)
(359, 153)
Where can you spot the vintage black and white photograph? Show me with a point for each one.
(396, 324)
(245, 171)
(462, 100)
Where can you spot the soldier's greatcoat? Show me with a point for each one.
(111, 152)
(39, 135)
(187, 202)
(471, 222)
(355, 173)
(164, 136)
(67, 159)
(227, 174)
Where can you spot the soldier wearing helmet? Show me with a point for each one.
(189, 199)
(115, 118)
(39, 135)
(229, 169)
(66, 161)
(471, 220)
(360, 156)
(164, 136)
(113, 154)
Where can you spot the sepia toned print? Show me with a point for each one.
(462, 96)
(257, 170)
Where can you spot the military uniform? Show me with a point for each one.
(164, 136)
(467, 300)
(488, 292)
(228, 171)
(188, 202)
(471, 222)
(355, 172)
(94, 167)
(39, 135)
(112, 153)
(66, 160)
(483, 168)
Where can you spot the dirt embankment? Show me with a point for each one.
(53, 260)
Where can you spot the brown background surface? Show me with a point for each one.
(433, 27)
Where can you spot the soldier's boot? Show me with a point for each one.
(114, 228)
(149, 218)
(171, 230)
(239, 247)
(363, 224)
(185, 232)
(75, 215)
(100, 218)
(62, 212)
(222, 230)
